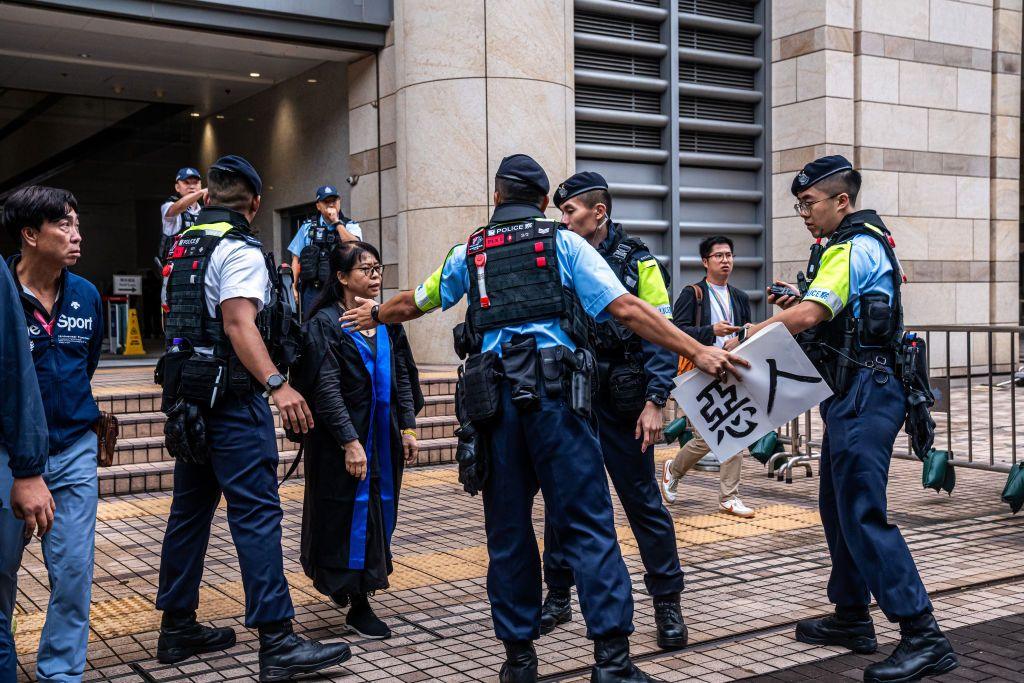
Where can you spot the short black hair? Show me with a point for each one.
(34, 205)
(708, 243)
(592, 198)
(844, 181)
(229, 190)
(510, 190)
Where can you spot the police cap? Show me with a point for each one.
(818, 170)
(325, 192)
(232, 163)
(584, 181)
(187, 172)
(523, 168)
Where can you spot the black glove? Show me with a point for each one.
(920, 425)
(472, 467)
(185, 434)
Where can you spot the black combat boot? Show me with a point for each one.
(363, 621)
(284, 654)
(557, 609)
(672, 633)
(181, 637)
(613, 665)
(520, 662)
(922, 651)
(849, 627)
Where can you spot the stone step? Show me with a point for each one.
(148, 476)
(148, 401)
(141, 425)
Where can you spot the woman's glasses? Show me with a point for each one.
(371, 271)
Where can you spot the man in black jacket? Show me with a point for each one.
(711, 312)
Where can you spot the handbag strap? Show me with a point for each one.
(698, 294)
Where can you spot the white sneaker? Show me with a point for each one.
(669, 482)
(735, 506)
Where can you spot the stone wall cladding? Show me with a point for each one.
(924, 97)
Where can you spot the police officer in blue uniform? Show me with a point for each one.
(312, 244)
(526, 387)
(636, 377)
(852, 309)
(226, 318)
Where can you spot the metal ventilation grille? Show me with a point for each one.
(714, 143)
(613, 61)
(619, 28)
(621, 100)
(648, 3)
(723, 9)
(716, 42)
(705, 74)
(590, 132)
(717, 110)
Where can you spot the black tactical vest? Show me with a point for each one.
(514, 278)
(867, 333)
(188, 317)
(314, 259)
(615, 341)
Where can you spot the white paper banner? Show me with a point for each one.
(780, 384)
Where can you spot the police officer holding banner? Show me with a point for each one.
(227, 336)
(526, 389)
(635, 379)
(312, 244)
(853, 311)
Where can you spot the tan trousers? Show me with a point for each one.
(728, 474)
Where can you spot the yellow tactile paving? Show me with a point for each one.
(125, 509)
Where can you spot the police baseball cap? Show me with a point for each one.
(187, 172)
(523, 168)
(585, 181)
(818, 170)
(232, 163)
(325, 191)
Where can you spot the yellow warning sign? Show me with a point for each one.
(134, 345)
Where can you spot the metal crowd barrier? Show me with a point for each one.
(976, 371)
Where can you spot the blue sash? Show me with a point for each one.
(378, 445)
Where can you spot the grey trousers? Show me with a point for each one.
(728, 476)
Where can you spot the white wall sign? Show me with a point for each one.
(780, 384)
(128, 284)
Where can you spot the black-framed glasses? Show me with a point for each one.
(804, 208)
(371, 271)
(722, 256)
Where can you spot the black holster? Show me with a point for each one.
(625, 385)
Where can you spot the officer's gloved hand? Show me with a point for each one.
(176, 433)
(920, 425)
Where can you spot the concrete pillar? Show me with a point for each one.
(476, 80)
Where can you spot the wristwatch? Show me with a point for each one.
(657, 399)
(374, 311)
(742, 334)
(274, 382)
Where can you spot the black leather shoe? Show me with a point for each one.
(922, 651)
(181, 637)
(520, 662)
(284, 654)
(852, 629)
(672, 632)
(613, 665)
(363, 621)
(557, 609)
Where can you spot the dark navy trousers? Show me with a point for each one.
(308, 294)
(556, 451)
(869, 555)
(244, 467)
(632, 474)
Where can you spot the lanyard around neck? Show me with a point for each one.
(726, 310)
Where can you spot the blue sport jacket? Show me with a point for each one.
(22, 421)
(66, 350)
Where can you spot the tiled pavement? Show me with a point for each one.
(747, 581)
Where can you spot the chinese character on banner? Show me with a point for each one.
(725, 412)
(780, 385)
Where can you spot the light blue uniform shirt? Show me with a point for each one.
(302, 237)
(582, 270)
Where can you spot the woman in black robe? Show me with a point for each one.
(364, 392)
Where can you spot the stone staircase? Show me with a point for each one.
(142, 464)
